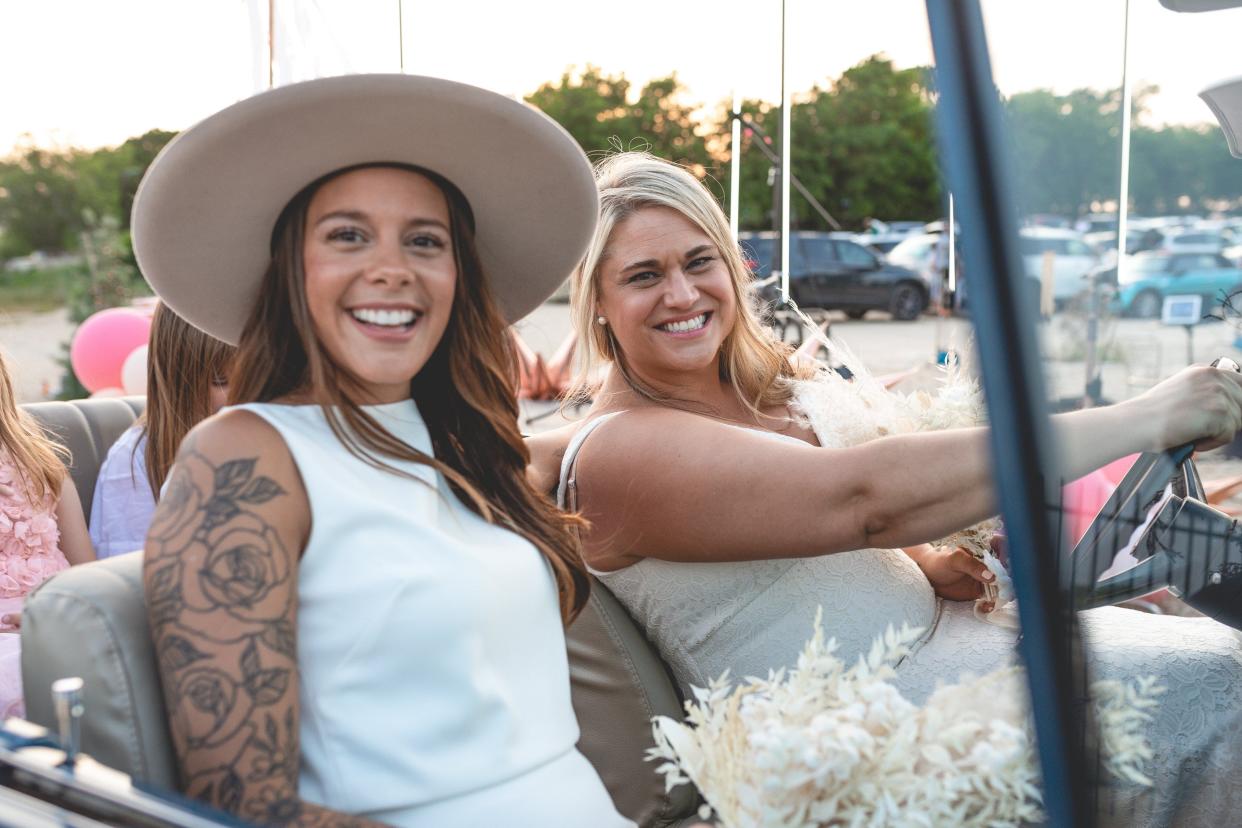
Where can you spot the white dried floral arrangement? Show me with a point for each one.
(848, 412)
(825, 745)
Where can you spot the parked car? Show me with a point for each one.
(837, 274)
(915, 252)
(879, 242)
(906, 227)
(1146, 278)
(1137, 241)
(1072, 259)
(1097, 223)
(1197, 241)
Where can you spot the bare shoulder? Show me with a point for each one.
(639, 434)
(231, 431)
(232, 464)
(547, 448)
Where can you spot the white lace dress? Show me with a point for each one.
(755, 616)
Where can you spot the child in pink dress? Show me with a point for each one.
(42, 529)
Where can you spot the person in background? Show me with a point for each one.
(42, 530)
(187, 381)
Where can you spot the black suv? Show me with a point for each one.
(834, 273)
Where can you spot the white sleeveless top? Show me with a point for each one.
(750, 617)
(434, 682)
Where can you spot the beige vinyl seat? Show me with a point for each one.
(90, 621)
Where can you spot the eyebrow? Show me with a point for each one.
(358, 215)
(689, 254)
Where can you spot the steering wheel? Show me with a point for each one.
(1158, 517)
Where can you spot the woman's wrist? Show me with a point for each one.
(1144, 427)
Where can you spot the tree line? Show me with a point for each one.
(863, 145)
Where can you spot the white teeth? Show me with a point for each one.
(686, 324)
(385, 318)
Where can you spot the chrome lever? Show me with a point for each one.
(67, 701)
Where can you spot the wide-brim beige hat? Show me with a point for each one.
(204, 213)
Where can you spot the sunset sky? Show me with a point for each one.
(88, 73)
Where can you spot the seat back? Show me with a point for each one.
(88, 428)
(90, 621)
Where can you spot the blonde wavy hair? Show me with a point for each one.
(41, 461)
(754, 362)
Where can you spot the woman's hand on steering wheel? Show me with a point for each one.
(1199, 405)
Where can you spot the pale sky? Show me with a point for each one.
(95, 72)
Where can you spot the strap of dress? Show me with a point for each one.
(565, 488)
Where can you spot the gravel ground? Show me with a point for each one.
(32, 342)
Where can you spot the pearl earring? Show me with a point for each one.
(601, 320)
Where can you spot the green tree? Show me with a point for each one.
(1182, 168)
(1066, 148)
(38, 201)
(1068, 156)
(862, 146)
(601, 113)
(46, 194)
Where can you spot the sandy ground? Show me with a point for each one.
(33, 344)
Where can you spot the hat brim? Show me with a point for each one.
(204, 213)
(1224, 98)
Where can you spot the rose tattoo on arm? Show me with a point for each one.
(221, 593)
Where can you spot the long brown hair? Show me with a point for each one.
(41, 462)
(464, 392)
(182, 365)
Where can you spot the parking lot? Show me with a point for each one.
(1136, 352)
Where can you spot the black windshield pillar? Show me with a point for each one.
(974, 155)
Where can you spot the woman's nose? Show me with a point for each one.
(681, 291)
(390, 266)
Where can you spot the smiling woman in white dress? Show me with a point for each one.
(722, 524)
(356, 597)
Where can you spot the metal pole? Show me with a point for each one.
(735, 165)
(952, 231)
(1127, 97)
(793, 179)
(271, 43)
(401, 33)
(786, 163)
(973, 149)
(1091, 389)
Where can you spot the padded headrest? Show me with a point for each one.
(88, 428)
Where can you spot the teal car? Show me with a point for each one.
(1146, 278)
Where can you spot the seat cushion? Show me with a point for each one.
(91, 621)
(619, 683)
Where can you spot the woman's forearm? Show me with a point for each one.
(1096, 437)
(931, 485)
(921, 487)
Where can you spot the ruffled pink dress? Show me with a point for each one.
(29, 555)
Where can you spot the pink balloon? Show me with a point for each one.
(102, 342)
